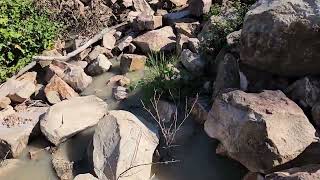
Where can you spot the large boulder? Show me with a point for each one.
(69, 117)
(281, 36)
(121, 152)
(71, 74)
(16, 128)
(157, 40)
(309, 172)
(260, 131)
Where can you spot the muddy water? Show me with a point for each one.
(197, 157)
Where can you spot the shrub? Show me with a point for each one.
(24, 32)
(221, 23)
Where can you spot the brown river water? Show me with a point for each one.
(197, 157)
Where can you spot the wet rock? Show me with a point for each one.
(108, 41)
(85, 177)
(63, 168)
(93, 55)
(147, 22)
(4, 102)
(305, 92)
(260, 131)
(149, 41)
(194, 45)
(227, 76)
(120, 93)
(201, 109)
(266, 22)
(143, 7)
(199, 7)
(182, 43)
(99, 66)
(309, 172)
(69, 117)
(129, 143)
(118, 80)
(71, 74)
(132, 62)
(193, 62)
(58, 88)
(15, 129)
(188, 29)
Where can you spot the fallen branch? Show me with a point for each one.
(80, 49)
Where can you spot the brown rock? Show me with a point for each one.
(143, 7)
(109, 41)
(309, 172)
(96, 52)
(132, 62)
(188, 29)
(4, 102)
(157, 40)
(147, 22)
(56, 84)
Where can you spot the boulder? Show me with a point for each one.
(108, 41)
(305, 92)
(271, 28)
(149, 41)
(260, 130)
(194, 45)
(132, 62)
(179, 2)
(23, 92)
(99, 66)
(128, 144)
(193, 62)
(143, 7)
(124, 42)
(93, 55)
(182, 43)
(71, 74)
(69, 117)
(4, 102)
(85, 177)
(147, 22)
(61, 88)
(199, 7)
(309, 172)
(228, 76)
(15, 129)
(188, 29)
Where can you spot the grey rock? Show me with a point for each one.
(199, 7)
(260, 130)
(85, 177)
(193, 62)
(272, 26)
(67, 118)
(99, 66)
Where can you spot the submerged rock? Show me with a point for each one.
(69, 117)
(260, 131)
(272, 26)
(128, 144)
(162, 39)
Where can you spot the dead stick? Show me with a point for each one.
(80, 49)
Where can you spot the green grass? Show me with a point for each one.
(24, 32)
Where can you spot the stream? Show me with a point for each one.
(197, 157)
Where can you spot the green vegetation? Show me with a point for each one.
(221, 24)
(162, 76)
(24, 32)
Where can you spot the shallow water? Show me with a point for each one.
(197, 157)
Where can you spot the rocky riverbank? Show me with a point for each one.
(258, 98)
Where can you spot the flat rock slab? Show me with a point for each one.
(67, 118)
(128, 144)
(15, 130)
